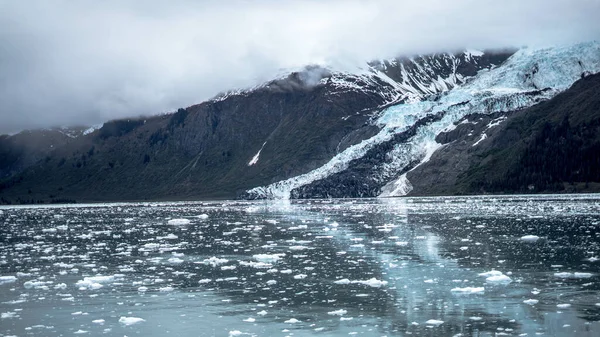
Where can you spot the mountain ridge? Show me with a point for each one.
(236, 144)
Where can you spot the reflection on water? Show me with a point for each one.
(371, 267)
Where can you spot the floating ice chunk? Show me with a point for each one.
(573, 275)
(261, 313)
(499, 279)
(166, 289)
(80, 332)
(468, 290)
(300, 276)
(179, 222)
(41, 285)
(202, 216)
(373, 282)
(292, 321)
(254, 264)
(151, 245)
(530, 238)
(7, 279)
(563, 305)
(60, 286)
(342, 281)
(250, 320)
(10, 314)
(214, 261)
(175, 260)
(204, 281)
(491, 273)
(98, 321)
(340, 312)
(130, 320)
(268, 257)
(94, 282)
(434, 322)
(531, 301)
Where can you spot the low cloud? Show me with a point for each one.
(84, 62)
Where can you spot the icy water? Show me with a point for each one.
(478, 266)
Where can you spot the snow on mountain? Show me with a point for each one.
(393, 81)
(526, 78)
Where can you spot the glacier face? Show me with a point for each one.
(526, 78)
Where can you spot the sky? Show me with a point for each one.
(84, 62)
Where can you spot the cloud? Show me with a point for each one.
(84, 62)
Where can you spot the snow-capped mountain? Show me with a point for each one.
(377, 166)
(317, 132)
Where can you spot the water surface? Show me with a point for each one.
(517, 265)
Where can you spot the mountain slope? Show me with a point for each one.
(239, 140)
(378, 165)
(551, 147)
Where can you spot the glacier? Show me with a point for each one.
(528, 77)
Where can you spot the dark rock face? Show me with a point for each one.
(551, 147)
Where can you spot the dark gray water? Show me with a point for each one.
(375, 267)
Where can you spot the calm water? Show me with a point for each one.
(393, 267)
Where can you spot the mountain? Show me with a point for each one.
(318, 132)
(378, 166)
(550, 147)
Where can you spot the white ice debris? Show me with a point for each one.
(130, 320)
(95, 282)
(373, 282)
(499, 279)
(268, 258)
(434, 322)
(530, 238)
(340, 312)
(468, 290)
(563, 305)
(496, 277)
(214, 261)
(573, 275)
(531, 301)
(292, 321)
(7, 279)
(179, 222)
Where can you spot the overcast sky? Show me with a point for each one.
(86, 61)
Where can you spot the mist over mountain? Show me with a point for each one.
(68, 63)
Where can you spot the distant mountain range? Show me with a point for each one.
(474, 122)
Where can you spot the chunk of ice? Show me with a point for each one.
(468, 290)
(130, 320)
(179, 222)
